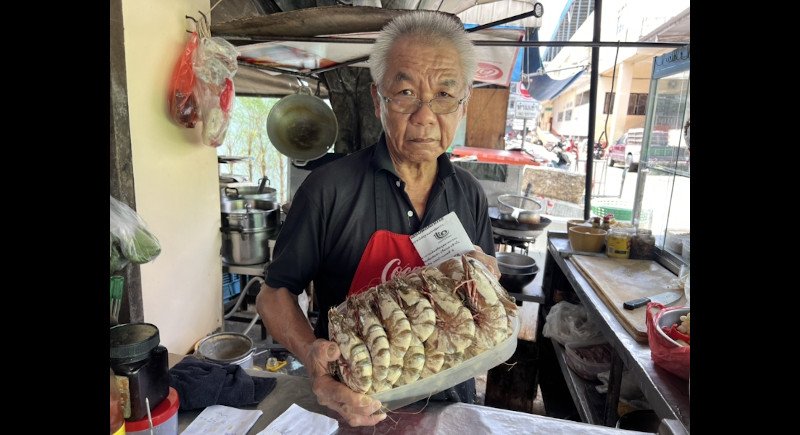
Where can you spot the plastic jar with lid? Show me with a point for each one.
(618, 243)
(643, 245)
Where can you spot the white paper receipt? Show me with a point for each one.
(297, 421)
(223, 420)
(442, 240)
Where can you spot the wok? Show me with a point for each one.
(498, 222)
(302, 127)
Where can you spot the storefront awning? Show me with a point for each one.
(542, 87)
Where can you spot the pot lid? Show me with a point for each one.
(131, 342)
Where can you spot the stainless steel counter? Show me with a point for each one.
(666, 393)
(418, 418)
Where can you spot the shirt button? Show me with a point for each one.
(410, 213)
(397, 183)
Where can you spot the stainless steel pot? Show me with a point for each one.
(302, 127)
(244, 247)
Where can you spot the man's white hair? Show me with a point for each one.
(429, 27)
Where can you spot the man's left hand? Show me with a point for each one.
(489, 261)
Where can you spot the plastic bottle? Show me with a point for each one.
(117, 416)
(606, 225)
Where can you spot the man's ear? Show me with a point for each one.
(376, 100)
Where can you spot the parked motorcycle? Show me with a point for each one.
(600, 150)
(563, 161)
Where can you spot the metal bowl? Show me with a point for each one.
(515, 264)
(516, 282)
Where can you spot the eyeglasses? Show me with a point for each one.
(408, 104)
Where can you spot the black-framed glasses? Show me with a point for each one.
(408, 104)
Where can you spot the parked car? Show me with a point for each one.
(628, 147)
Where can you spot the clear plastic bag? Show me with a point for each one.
(215, 65)
(568, 323)
(129, 233)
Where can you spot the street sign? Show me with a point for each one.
(525, 109)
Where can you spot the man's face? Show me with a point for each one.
(425, 72)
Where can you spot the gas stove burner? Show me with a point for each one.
(516, 235)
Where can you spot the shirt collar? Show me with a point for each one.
(382, 161)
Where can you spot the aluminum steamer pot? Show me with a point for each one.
(302, 127)
(233, 191)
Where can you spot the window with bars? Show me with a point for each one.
(637, 104)
(582, 98)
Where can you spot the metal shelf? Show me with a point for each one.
(577, 388)
(666, 393)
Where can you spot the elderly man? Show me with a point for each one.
(350, 221)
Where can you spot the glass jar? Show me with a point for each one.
(643, 245)
(618, 243)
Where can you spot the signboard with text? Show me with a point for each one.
(525, 109)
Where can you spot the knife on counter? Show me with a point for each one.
(666, 298)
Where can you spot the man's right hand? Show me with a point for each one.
(357, 408)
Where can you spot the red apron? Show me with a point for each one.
(387, 255)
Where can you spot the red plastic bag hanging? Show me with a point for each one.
(183, 105)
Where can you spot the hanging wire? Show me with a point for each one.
(611, 98)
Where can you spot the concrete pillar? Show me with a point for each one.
(622, 89)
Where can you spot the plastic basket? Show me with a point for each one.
(231, 286)
(622, 210)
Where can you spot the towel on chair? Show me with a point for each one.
(202, 383)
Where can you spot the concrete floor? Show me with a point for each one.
(536, 250)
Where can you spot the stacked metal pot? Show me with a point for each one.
(250, 216)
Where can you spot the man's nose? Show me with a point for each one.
(423, 114)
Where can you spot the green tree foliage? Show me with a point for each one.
(247, 137)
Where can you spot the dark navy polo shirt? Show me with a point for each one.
(340, 205)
